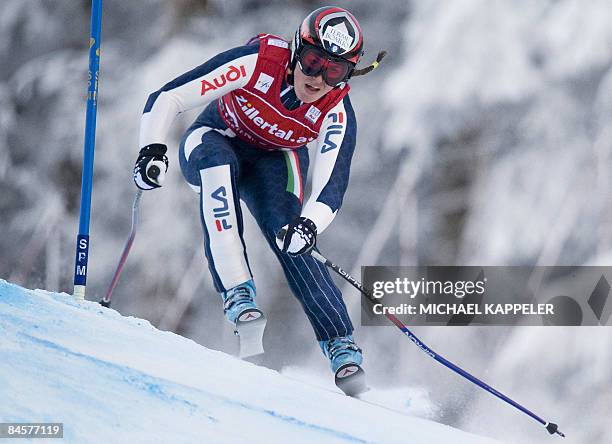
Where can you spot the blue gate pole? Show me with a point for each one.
(82, 245)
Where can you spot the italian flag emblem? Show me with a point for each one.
(294, 178)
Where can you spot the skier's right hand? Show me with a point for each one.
(151, 166)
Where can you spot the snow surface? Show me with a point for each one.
(111, 378)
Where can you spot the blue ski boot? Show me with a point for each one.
(345, 360)
(248, 320)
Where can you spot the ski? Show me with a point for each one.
(350, 378)
(250, 326)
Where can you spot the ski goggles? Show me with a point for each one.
(314, 61)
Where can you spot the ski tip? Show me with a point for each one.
(350, 378)
(554, 429)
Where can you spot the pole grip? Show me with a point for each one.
(318, 256)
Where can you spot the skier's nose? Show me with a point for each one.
(318, 79)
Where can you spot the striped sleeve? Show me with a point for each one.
(332, 163)
(223, 73)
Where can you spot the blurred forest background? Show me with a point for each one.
(485, 138)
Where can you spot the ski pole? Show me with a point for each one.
(153, 172)
(550, 427)
(106, 300)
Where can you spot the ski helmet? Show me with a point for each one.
(333, 29)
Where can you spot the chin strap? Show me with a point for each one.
(372, 66)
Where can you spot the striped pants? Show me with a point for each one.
(225, 170)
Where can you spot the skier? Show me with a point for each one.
(265, 101)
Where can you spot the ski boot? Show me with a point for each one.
(248, 320)
(345, 360)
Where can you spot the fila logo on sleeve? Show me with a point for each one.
(336, 128)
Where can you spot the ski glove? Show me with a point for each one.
(151, 166)
(297, 238)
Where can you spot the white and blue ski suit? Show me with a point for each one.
(225, 169)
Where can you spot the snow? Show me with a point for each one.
(109, 377)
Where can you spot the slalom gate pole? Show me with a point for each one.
(82, 245)
(550, 427)
(106, 300)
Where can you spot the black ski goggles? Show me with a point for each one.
(314, 61)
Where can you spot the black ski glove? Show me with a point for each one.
(151, 166)
(297, 238)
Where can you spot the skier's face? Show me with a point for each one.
(309, 89)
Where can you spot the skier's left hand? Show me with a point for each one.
(298, 237)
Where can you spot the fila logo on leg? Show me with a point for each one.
(222, 212)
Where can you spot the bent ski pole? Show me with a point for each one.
(550, 427)
(106, 300)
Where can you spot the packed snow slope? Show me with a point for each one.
(109, 378)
